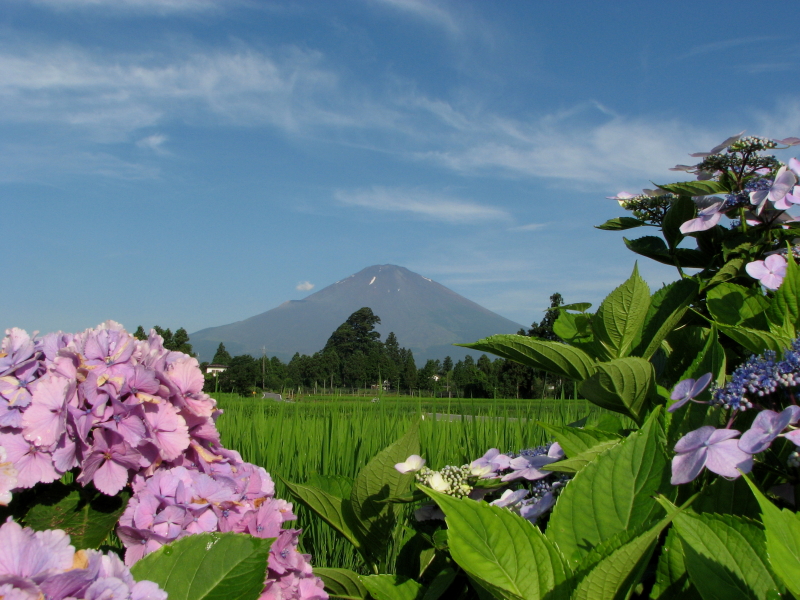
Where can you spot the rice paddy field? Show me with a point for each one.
(337, 436)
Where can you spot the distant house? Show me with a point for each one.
(215, 369)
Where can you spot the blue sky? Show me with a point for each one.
(196, 162)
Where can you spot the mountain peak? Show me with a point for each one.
(425, 316)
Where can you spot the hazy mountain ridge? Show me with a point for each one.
(426, 317)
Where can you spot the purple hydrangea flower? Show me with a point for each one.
(766, 427)
(712, 448)
(706, 219)
(688, 389)
(770, 271)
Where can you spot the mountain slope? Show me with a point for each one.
(425, 316)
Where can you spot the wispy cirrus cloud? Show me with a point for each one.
(151, 6)
(422, 204)
(427, 10)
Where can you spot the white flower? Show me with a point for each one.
(413, 464)
(438, 483)
(8, 478)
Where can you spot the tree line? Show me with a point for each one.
(354, 358)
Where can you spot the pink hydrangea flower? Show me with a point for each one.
(770, 271)
(708, 447)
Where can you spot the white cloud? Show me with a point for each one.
(304, 286)
(529, 227)
(427, 10)
(117, 95)
(157, 6)
(153, 142)
(422, 204)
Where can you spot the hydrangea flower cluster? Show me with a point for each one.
(42, 564)
(530, 502)
(121, 409)
(717, 449)
(762, 380)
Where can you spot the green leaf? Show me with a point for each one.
(377, 481)
(726, 556)
(579, 306)
(574, 441)
(440, 583)
(84, 513)
(342, 583)
(756, 341)
(553, 357)
(579, 461)
(617, 323)
(711, 359)
(620, 223)
(573, 327)
(672, 579)
(689, 258)
(610, 423)
(667, 307)
(335, 485)
(613, 493)
(730, 270)
(335, 511)
(504, 552)
(682, 345)
(732, 304)
(784, 307)
(624, 385)
(695, 188)
(392, 587)
(651, 247)
(682, 209)
(208, 566)
(616, 570)
(726, 496)
(783, 540)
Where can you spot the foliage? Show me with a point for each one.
(646, 512)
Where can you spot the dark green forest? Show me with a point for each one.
(355, 359)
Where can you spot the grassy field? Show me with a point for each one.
(338, 436)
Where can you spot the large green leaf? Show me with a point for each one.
(756, 341)
(572, 327)
(613, 493)
(730, 270)
(667, 307)
(727, 496)
(695, 188)
(726, 556)
(503, 551)
(84, 513)
(575, 440)
(208, 566)
(618, 321)
(624, 385)
(620, 223)
(618, 569)
(783, 540)
(681, 210)
(392, 587)
(377, 481)
(552, 357)
(579, 461)
(335, 511)
(711, 359)
(672, 579)
(784, 307)
(732, 304)
(342, 583)
(682, 346)
(336, 485)
(651, 247)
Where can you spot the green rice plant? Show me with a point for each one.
(337, 437)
